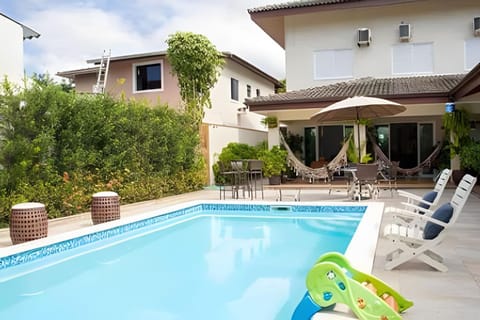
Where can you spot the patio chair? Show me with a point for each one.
(430, 199)
(389, 177)
(226, 178)
(366, 179)
(255, 176)
(421, 239)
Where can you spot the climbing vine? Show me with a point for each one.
(197, 64)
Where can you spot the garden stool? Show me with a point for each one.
(28, 221)
(105, 207)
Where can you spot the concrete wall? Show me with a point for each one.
(445, 24)
(11, 52)
(221, 136)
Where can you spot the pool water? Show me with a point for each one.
(207, 267)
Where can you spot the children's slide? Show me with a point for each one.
(333, 280)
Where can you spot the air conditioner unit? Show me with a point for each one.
(404, 32)
(476, 26)
(364, 37)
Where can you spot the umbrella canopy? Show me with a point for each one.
(356, 108)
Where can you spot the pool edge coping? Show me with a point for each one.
(94, 229)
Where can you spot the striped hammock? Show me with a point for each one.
(313, 174)
(427, 163)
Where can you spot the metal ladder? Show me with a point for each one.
(99, 87)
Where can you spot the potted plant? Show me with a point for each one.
(274, 163)
(457, 128)
(270, 122)
(470, 158)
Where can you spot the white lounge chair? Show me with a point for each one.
(430, 199)
(420, 239)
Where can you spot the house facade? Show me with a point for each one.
(148, 76)
(12, 35)
(415, 53)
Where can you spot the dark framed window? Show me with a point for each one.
(258, 92)
(234, 89)
(148, 76)
(249, 91)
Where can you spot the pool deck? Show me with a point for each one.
(451, 295)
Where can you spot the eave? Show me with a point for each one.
(271, 19)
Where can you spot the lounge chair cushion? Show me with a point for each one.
(430, 197)
(443, 213)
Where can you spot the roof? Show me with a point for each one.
(469, 85)
(28, 33)
(270, 18)
(428, 88)
(72, 73)
(228, 55)
(325, 4)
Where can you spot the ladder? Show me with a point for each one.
(99, 87)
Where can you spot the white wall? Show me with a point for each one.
(228, 124)
(445, 23)
(225, 111)
(11, 53)
(221, 136)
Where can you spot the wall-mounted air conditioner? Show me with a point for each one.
(405, 33)
(476, 26)
(364, 36)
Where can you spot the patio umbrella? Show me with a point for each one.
(357, 108)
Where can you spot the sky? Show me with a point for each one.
(72, 32)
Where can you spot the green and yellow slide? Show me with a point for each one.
(333, 280)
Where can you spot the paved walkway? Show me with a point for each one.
(440, 296)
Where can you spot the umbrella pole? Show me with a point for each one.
(359, 153)
(358, 138)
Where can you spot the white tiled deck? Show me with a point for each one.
(436, 295)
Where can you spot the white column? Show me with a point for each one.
(273, 137)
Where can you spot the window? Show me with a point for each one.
(258, 92)
(412, 58)
(472, 53)
(148, 76)
(333, 64)
(249, 91)
(234, 89)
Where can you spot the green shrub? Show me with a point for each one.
(470, 157)
(60, 147)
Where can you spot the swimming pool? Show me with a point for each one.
(200, 260)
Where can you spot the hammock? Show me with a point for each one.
(312, 174)
(427, 163)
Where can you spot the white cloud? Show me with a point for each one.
(74, 32)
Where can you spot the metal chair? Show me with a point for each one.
(366, 176)
(255, 174)
(226, 178)
(241, 181)
(389, 176)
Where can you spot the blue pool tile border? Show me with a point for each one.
(226, 209)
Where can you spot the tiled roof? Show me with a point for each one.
(379, 87)
(299, 4)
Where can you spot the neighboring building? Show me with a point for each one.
(148, 76)
(413, 52)
(12, 34)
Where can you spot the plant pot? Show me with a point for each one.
(457, 176)
(274, 180)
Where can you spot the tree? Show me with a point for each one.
(197, 64)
